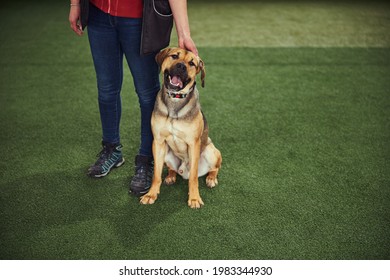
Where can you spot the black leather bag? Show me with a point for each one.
(157, 26)
(84, 12)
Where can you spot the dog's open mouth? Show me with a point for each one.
(175, 81)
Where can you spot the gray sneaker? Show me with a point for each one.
(109, 157)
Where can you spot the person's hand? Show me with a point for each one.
(74, 19)
(188, 44)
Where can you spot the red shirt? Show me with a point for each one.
(120, 8)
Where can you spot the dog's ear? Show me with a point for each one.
(161, 56)
(202, 71)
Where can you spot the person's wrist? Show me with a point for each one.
(75, 4)
(184, 35)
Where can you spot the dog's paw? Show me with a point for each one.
(148, 198)
(211, 181)
(170, 179)
(195, 203)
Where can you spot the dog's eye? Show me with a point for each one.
(175, 56)
(191, 63)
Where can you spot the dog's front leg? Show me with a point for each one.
(194, 199)
(159, 151)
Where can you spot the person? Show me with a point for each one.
(114, 31)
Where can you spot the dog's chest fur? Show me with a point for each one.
(184, 109)
(176, 121)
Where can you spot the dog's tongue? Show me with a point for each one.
(176, 81)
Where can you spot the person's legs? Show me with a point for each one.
(144, 70)
(108, 61)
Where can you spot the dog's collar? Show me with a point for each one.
(180, 94)
(175, 94)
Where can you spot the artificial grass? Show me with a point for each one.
(304, 135)
(293, 23)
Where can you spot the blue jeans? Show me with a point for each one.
(110, 39)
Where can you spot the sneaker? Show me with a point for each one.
(142, 180)
(109, 157)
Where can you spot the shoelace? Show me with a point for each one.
(143, 169)
(103, 154)
(143, 172)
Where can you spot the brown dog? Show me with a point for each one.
(180, 129)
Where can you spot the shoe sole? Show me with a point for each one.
(115, 166)
(138, 194)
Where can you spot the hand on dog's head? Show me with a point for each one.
(169, 57)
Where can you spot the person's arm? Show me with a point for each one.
(74, 17)
(179, 11)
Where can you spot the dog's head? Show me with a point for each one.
(180, 68)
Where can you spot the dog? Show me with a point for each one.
(180, 128)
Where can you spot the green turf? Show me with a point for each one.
(304, 133)
(275, 23)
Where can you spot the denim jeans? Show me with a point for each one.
(111, 38)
